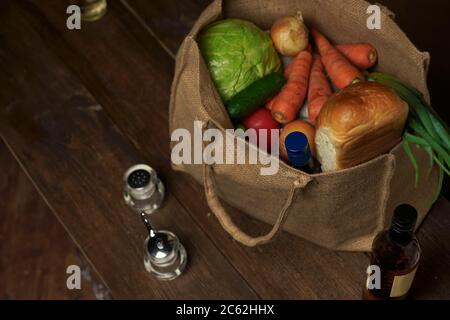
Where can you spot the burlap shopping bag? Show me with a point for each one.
(343, 210)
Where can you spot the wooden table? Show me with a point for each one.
(79, 107)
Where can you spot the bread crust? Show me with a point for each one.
(363, 120)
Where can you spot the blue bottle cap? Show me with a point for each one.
(297, 148)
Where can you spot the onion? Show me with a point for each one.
(290, 35)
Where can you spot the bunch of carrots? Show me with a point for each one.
(309, 73)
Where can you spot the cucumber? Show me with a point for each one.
(246, 101)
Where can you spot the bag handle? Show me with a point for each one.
(226, 221)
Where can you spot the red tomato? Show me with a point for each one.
(261, 119)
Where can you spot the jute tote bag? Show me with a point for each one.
(343, 210)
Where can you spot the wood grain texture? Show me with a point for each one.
(300, 269)
(168, 21)
(433, 276)
(124, 62)
(35, 248)
(76, 158)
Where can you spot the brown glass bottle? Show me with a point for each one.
(396, 252)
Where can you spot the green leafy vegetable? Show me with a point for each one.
(237, 53)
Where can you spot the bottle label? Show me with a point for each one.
(386, 284)
(402, 284)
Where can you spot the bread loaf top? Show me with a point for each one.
(361, 122)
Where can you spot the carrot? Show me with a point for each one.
(339, 69)
(314, 108)
(319, 89)
(287, 71)
(290, 99)
(269, 104)
(362, 55)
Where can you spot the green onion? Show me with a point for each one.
(433, 113)
(424, 127)
(431, 155)
(441, 131)
(442, 167)
(413, 160)
(436, 147)
(440, 181)
(415, 139)
(395, 79)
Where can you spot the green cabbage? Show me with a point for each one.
(237, 53)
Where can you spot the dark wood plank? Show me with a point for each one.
(76, 158)
(36, 250)
(432, 278)
(168, 21)
(133, 87)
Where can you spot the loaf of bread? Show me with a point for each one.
(357, 124)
